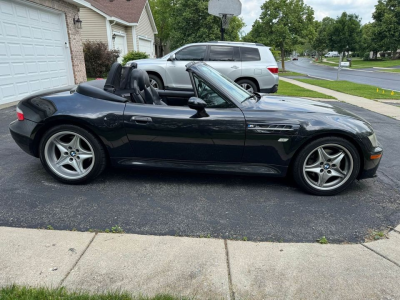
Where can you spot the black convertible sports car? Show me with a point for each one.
(220, 127)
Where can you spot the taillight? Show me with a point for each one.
(273, 70)
(20, 115)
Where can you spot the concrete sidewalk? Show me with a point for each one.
(375, 106)
(200, 268)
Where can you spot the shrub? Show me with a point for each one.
(98, 58)
(134, 55)
(366, 56)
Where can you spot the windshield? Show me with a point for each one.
(224, 83)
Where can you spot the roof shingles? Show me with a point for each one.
(128, 11)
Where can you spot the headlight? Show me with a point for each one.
(374, 140)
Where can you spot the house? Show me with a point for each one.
(40, 47)
(121, 24)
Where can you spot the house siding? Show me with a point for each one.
(129, 38)
(117, 27)
(74, 35)
(93, 26)
(144, 28)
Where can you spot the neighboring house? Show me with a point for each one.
(121, 24)
(40, 47)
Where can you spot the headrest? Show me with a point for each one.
(139, 76)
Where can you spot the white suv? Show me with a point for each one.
(250, 65)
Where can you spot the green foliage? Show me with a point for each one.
(134, 55)
(15, 292)
(323, 29)
(387, 24)
(323, 240)
(283, 24)
(49, 227)
(117, 229)
(162, 11)
(98, 58)
(345, 33)
(191, 23)
(366, 56)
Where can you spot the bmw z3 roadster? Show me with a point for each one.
(217, 127)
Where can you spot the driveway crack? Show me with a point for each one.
(231, 291)
(381, 255)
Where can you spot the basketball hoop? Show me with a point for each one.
(225, 18)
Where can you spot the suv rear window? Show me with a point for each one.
(250, 54)
(224, 53)
(193, 53)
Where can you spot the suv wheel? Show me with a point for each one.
(248, 85)
(156, 82)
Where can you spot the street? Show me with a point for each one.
(190, 204)
(382, 80)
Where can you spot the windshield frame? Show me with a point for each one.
(220, 82)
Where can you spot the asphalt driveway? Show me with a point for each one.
(187, 204)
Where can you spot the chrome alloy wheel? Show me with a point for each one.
(328, 167)
(154, 84)
(247, 87)
(69, 155)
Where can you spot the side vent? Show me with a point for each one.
(273, 128)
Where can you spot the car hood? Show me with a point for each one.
(298, 105)
(149, 61)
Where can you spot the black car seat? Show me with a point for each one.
(118, 78)
(144, 92)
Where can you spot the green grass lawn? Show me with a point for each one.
(288, 73)
(356, 89)
(90, 79)
(288, 89)
(25, 293)
(358, 63)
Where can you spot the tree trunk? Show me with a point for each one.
(283, 57)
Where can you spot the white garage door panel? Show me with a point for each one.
(146, 46)
(33, 56)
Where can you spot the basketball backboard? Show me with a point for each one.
(224, 7)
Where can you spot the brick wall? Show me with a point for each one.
(74, 35)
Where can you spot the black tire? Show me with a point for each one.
(248, 82)
(100, 159)
(299, 163)
(158, 81)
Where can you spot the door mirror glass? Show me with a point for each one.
(172, 57)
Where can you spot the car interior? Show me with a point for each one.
(129, 84)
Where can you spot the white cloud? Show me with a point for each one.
(364, 8)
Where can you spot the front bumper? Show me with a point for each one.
(23, 134)
(371, 165)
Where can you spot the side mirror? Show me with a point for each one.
(172, 57)
(197, 103)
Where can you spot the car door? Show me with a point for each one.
(226, 60)
(178, 133)
(176, 75)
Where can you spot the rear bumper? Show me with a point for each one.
(371, 165)
(274, 89)
(22, 133)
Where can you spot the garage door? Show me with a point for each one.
(146, 46)
(33, 53)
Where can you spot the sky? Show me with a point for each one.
(322, 8)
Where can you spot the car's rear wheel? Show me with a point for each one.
(156, 82)
(72, 154)
(326, 166)
(248, 85)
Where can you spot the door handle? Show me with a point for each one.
(141, 120)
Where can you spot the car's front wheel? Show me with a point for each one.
(326, 166)
(72, 154)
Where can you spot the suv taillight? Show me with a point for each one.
(273, 70)
(20, 115)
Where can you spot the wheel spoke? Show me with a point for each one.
(338, 173)
(337, 159)
(63, 160)
(314, 168)
(74, 143)
(60, 145)
(322, 178)
(323, 156)
(77, 166)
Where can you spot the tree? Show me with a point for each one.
(191, 23)
(369, 40)
(286, 23)
(387, 23)
(345, 34)
(162, 11)
(323, 29)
